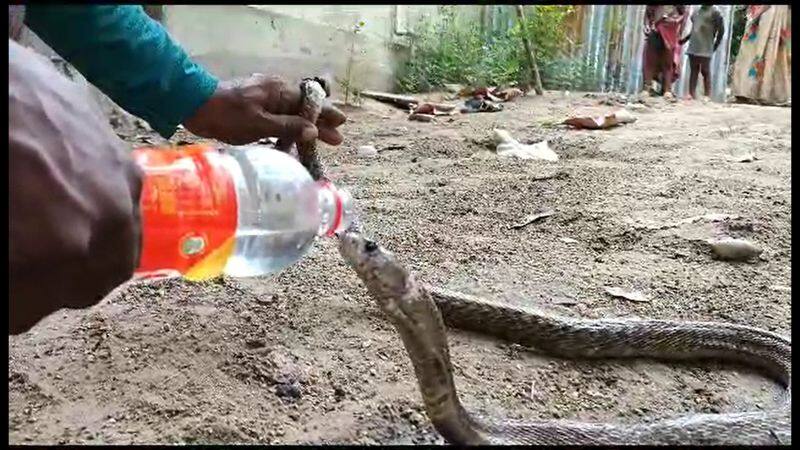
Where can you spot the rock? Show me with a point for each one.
(367, 151)
(633, 296)
(731, 249)
(339, 392)
(289, 390)
(255, 343)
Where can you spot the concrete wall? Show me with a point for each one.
(110, 109)
(300, 41)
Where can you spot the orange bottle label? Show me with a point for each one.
(189, 211)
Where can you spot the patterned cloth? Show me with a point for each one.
(762, 71)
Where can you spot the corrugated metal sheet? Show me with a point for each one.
(613, 44)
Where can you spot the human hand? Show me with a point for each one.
(74, 226)
(244, 111)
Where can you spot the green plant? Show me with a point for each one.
(545, 27)
(569, 74)
(347, 83)
(447, 50)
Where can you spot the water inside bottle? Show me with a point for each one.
(260, 252)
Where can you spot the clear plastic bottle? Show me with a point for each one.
(244, 211)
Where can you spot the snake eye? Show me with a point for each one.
(370, 246)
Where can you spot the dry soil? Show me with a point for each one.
(307, 357)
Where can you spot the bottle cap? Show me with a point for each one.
(343, 209)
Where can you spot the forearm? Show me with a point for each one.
(720, 34)
(129, 57)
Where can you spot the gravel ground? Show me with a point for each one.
(307, 357)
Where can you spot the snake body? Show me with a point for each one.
(420, 315)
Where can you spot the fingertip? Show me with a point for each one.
(331, 115)
(330, 136)
(309, 133)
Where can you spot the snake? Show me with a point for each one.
(421, 313)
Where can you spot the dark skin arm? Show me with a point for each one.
(74, 227)
(719, 25)
(74, 231)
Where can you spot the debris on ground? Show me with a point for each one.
(508, 146)
(713, 218)
(636, 107)
(509, 94)
(480, 104)
(538, 215)
(367, 151)
(421, 117)
(745, 157)
(434, 109)
(601, 123)
(488, 99)
(608, 99)
(634, 296)
(402, 101)
(732, 249)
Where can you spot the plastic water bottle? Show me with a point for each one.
(244, 211)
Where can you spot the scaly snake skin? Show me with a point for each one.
(419, 314)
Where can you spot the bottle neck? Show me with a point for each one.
(335, 209)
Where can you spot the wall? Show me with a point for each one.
(298, 41)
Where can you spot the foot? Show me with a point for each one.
(706, 99)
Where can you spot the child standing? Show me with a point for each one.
(708, 29)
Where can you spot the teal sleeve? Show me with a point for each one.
(128, 56)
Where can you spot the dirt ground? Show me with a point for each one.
(307, 357)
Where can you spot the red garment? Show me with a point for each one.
(664, 55)
(670, 32)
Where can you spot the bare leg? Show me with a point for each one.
(667, 74)
(705, 70)
(694, 67)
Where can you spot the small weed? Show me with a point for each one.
(448, 50)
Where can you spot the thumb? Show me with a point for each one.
(292, 128)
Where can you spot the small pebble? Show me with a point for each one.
(730, 249)
(367, 151)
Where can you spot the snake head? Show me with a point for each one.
(377, 267)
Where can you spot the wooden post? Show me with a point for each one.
(537, 81)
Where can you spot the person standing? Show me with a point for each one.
(762, 72)
(708, 28)
(663, 26)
